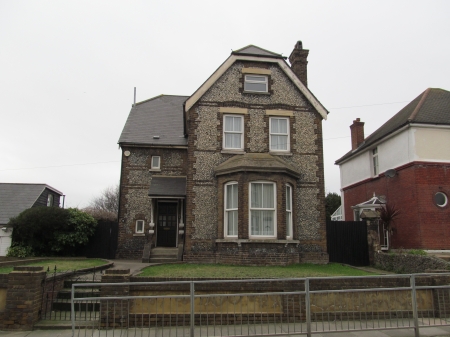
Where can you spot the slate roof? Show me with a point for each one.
(167, 187)
(159, 116)
(256, 51)
(15, 198)
(430, 107)
(256, 162)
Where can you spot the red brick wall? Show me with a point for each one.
(421, 224)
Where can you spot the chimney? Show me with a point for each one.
(357, 131)
(299, 63)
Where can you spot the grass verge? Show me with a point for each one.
(61, 265)
(229, 271)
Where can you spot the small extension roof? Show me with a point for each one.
(15, 198)
(156, 121)
(168, 187)
(430, 107)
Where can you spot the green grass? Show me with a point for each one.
(61, 265)
(229, 271)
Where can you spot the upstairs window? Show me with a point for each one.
(262, 210)
(231, 210)
(156, 162)
(376, 169)
(233, 135)
(288, 212)
(140, 226)
(255, 83)
(279, 134)
(49, 200)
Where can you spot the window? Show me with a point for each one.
(233, 135)
(140, 226)
(255, 83)
(356, 215)
(440, 199)
(156, 162)
(49, 200)
(279, 134)
(231, 209)
(375, 161)
(289, 231)
(262, 209)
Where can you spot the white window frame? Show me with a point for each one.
(288, 136)
(375, 162)
(289, 226)
(137, 225)
(233, 132)
(274, 209)
(229, 210)
(248, 80)
(154, 167)
(50, 200)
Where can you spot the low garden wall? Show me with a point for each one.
(405, 263)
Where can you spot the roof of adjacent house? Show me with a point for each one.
(255, 50)
(15, 198)
(156, 121)
(430, 107)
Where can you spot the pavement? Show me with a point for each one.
(135, 266)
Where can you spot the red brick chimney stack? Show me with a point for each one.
(357, 131)
(299, 63)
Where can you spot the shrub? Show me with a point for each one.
(20, 251)
(417, 252)
(51, 231)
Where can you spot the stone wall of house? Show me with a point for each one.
(408, 263)
(135, 204)
(204, 207)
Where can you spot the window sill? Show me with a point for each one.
(233, 151)
(256, 92)
(271, 241)
(138, 234)
(154, 170)
(280, 153)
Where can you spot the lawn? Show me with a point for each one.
(61, 265)
(229, 271)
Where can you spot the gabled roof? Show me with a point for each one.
(156, 121)
(15, 198)
(255, 50)
(430, 107)
(256, 54)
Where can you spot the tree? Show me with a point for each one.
(105, 206)
(332, 202)
(388, 213)
(47, 231)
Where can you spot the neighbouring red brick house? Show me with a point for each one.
(231, 174)
(406, 162)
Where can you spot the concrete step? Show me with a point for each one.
(164, 255)
(163, 260)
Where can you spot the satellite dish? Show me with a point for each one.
(390, 173)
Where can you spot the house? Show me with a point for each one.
(15, 198)
(406, 163)
(232, 173)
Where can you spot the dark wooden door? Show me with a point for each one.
(347, 242)
(167, 224)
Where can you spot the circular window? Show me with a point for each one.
(440, 199)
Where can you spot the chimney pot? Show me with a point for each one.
(357, 133)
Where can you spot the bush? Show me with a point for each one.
(417, 252)
(51, 231)
(20, 251)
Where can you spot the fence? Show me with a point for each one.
(274, 307)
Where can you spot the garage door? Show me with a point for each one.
(5, 242)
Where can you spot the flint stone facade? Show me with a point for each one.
(208, 166)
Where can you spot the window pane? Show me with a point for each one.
(256, 197)
(262, 222)
(233, 124)
(268, 200)
(255, 78)
(232, 196)
(282, 126)
(155, 161)
(232, 224)
(288, 198)
(278, 142)
(260, 87)
(232, 140)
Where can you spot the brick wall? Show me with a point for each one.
(421, 224)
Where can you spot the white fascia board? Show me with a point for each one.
(233, 58)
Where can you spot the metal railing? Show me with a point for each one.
(196, 308)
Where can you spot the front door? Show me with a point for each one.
(166, 230)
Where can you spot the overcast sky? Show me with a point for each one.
(68, 68)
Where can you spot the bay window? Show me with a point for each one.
(262, 209)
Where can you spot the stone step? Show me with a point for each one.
(163, 259)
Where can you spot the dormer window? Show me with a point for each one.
(255, 83)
